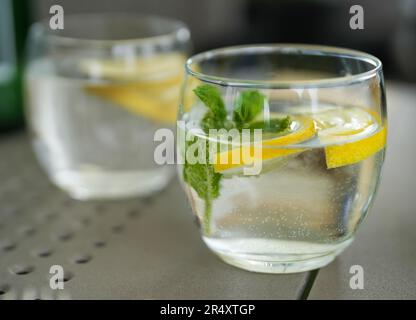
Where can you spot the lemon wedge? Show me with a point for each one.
(351, 135)
(231, 161)
(350, 153)
(146, 87)
(157, 105)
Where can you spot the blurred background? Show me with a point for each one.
(389, 29)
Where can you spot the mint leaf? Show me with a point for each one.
(205, 181)
(248, 105)
(211, 97)
(209, 121)
(216, 116)
(271, 126)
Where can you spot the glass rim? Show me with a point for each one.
(179, 30)
(285, 48)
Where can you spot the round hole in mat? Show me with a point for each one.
(21, 269)
(43, 252)
(4, 288)
(82, 258)
(119, 228)
(100, 243)
(133, 214)
(7, 245)
(27, 231)
(68, 275)
(65, 235)
(85, 221)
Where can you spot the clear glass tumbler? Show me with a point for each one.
(280, 149)
(96, 91)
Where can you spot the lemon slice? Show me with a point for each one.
(350, 153)
(351, 135)
(231, 161)
(157, 67)
(159, 105)
(145, 87)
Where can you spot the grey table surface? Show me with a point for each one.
(151, 248)
(131, 249)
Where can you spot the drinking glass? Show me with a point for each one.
(293, 198)
(96, 92)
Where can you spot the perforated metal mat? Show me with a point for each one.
(131, 249)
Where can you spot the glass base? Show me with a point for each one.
(111, 185)
(275, 256)
(279, 266)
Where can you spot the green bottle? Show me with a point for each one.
(14, 22)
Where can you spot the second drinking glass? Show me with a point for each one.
(96, 92)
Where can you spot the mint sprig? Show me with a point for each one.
(249, 105)
(206, 182)
(202, 176)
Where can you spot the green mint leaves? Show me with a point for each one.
(248, 107)
(216, 116)
(206, 182)
(202, 176)
(211, 97)
(272, 126)
(196, 173)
